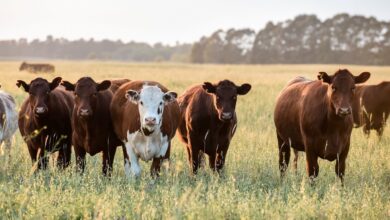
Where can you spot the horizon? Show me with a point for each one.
(108, 21)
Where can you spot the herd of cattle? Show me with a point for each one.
(315, 116)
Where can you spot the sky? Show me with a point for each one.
(166, 21)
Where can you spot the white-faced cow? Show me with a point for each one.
(209, 121)
(45, 120)
(8, 122)
(145, 116)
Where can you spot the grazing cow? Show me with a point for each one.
(208, 121)
(93, 131)
(8, 122)
(45, 121)
(372, 107)
(37, 67)
(145, 116)
(315, 117)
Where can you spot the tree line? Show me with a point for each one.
(305, 39)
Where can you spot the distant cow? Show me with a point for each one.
(209, 121)
(8, 122)
(37, 67)
(93, 131)
(372, 107)
(315, 117)
(145, 116)
(45, 120)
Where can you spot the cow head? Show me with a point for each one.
(341, 89)
(39, 93)
(23, 66)
(151, 101)
(85, 92)
(225, 97)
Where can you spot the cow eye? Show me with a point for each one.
(141, 103)
(161, 103)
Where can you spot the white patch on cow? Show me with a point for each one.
(135, 169)
(289, 142)
(127, 168)
(10, 117)
(205, 137)
(145, 147)
(151, 98)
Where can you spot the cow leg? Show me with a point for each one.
(156, 167)
(340, 163)
(295, 163)
(63, 159)
(6, 147)
(311, 165)
(42, 159)
(108, 160)
(284, 155)
(367, 123)
(132, 167)
(33, 153)
(195, 155)
(220, 160)
(80, 159)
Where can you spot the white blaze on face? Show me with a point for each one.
(151, 101)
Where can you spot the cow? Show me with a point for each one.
(209, 121)
(93, 131)
(45, 121)
(316, 117)
(145, 116)
(8, 122)
(37, 67)
(372, 107)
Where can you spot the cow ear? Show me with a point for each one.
(68, 86)
(132, 96)
(243, 89)
(364, 76)
(208, 87)
(103, 85)
(56, 81)
(324, 77)
(169, 97)
(20, 83)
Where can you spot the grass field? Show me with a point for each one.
(250, 187)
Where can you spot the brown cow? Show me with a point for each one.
(372, 107)
(315, 117)
(145, 116)
(209, 121)
(93, 131)
(37, 67)
(45, 121)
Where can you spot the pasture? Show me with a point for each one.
(250, 187)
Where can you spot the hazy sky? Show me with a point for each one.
(164, 21)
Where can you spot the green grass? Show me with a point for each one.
(250, 187)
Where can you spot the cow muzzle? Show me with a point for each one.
(85, 112)
(150, 121)
(40, 110)
(226, 115)
(344, 112)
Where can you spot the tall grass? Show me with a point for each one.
(250, 187)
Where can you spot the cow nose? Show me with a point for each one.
(40, 110)
(226, 115)
(84, 112)
(345, 111)
(150, 120)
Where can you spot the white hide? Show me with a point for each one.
(10, 122)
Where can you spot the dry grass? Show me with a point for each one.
(250, 187)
